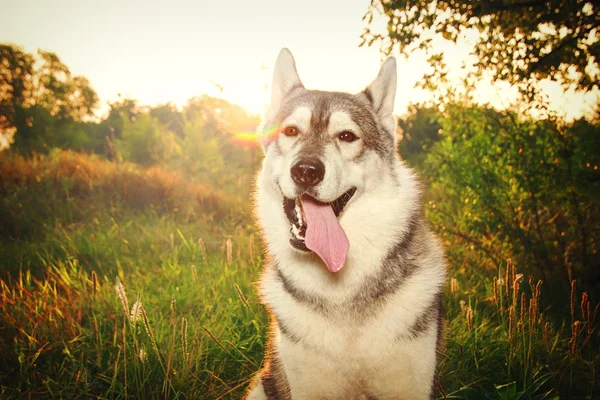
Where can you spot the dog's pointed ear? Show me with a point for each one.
(382, 93)
(285, 77)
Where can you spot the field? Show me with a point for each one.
(122, 281)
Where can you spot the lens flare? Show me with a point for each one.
(251, 139)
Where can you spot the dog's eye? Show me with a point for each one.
(347, 136)
(290, 131)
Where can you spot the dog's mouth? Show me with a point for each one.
(314, 227)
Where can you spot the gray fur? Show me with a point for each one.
(273, 378)
(323, 104)
(428, 319)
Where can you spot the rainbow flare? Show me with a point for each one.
(251, 138)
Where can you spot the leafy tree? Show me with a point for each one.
(505, 186)
(420, 129)
(519, 41)
(110, 129)
(145, 141)
(36, 90)
(168, 115)
(208, 146)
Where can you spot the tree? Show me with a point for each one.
(144, 140)
(504, 186)
(168, 115)
(420, 129)
(36, 89)
(520, 41)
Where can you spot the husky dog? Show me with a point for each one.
(353, 274)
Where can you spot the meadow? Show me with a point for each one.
(129, 255)
(126, 281)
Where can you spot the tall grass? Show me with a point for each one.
(192, 329)
(502, 333)
(111, 299)
(68, 175)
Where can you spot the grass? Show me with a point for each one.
(107, 296)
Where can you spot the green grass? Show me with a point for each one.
(66, 333)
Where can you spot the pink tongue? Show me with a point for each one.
(324, 235)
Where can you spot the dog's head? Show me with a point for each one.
(322, 150)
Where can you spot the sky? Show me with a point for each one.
(159, 51)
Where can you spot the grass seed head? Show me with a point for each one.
(184, 339)
(469, 317)
(531, 284)
(241, 295)
(453, 286)
(202, 248)
(142, 354)
(574, 335)
(194, 274)
(538, 292)
(94, 283)
(516, 285)
(507, 277)
(584, 306)
(136, 312)
(174, 307)
(120, 289)
(229, 247)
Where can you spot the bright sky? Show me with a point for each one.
(158, 52)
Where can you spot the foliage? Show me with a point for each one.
(38, 96)
(505, 186)
(67, 187)
(169, 116)
(420, 129)
(145, 141)
(208, 144)
(130, 302)
(519, 41)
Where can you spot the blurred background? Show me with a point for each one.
(128, 248)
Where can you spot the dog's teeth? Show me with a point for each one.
(297, 232)
(298, 210)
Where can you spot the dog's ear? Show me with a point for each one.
(382, 92)
(285, 77)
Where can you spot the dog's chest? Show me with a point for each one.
(359, 363)
(341, 331)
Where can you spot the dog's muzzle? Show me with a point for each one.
(295, 214)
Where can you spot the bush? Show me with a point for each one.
(504, 186)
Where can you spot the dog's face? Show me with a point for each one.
(320, 147)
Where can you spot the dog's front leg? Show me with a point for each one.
(271, 382)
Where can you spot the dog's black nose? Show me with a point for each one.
(308, 172)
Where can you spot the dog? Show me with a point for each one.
(353, 274)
